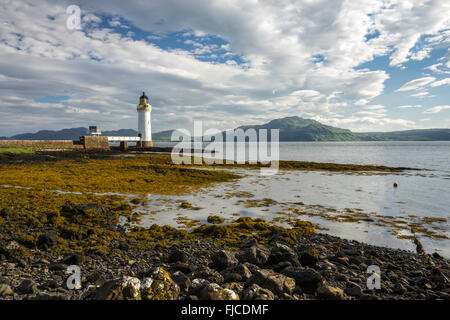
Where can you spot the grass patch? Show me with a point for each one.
(16, 150)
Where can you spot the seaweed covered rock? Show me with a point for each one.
(91, 209)
(159, 286)
(215, 220)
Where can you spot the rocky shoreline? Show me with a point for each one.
(43, 232)
(316, 266)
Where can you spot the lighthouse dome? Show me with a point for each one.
(144, 96)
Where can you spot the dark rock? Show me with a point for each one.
(52, 284)
(224, 259)
(282, 253)
(74, 259)
(308, 279)
(282, 265)
(307, 259)
(57, 267)
(330, 293)
(255, 292)
(209, 274)
(256, 254)
(95, 277)
(47, 239)
(110, 290)
(181, 280)
(123, 246)
(437, 256)
(197, 285)
(353, 289)
(239, 273)
(177, 255)
(27, 286)
(399, 288)
(183, 267)
(341, 277)
(275, 282)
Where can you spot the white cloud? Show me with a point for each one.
(278, 41)
(436, 109)
(442, 82)
(409, 106)
(416, 84)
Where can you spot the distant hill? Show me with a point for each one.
(408, 135)
(299, 129)
(75, 133)
(64, 134)
(291, 129)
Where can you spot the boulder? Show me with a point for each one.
(256, 254)
(131, 288)
(239, 273)
(213, 291)
(5, 290)
(209, 274)
(92, 209)
(275, 282)
(159, 286)
(47, 239)
(353, 289)
(73, 259)
(181, 280)
(177, 255)
(197, 285)
(308, 259)
(330, 293)
(110, 290)
(255, 292)
(308, 279)
(224, 259)
(27, 286)
(281, 253)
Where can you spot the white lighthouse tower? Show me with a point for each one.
(144, 110)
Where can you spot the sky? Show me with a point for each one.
(366, 65)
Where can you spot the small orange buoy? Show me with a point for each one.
(395, 184)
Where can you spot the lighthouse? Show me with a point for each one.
(144, 110)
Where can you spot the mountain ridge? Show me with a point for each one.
(291, 128)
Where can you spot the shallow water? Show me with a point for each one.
(420, 193)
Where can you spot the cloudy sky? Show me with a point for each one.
(363, 65)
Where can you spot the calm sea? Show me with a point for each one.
(424, 193)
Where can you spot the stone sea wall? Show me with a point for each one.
(85, 143)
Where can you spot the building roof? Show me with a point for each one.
(144, 96)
